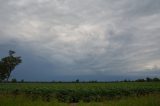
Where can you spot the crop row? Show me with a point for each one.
(86, 95)
(79, 92)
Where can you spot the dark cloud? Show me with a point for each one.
(87, 38)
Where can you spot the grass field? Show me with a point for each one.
(80, 94)
(149, 100)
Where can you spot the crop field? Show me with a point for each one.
(65, 93)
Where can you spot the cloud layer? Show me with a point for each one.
(83, 37)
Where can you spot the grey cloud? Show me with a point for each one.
(143, 8)
(83, 38)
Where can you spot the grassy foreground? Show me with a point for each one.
(76, 92)
(148, 100)
(80, 94)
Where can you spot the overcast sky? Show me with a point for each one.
(85, 39)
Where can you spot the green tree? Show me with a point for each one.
(3, 72)
(77, 80)
(8, 64)
(148, 79)
(14, 80)
(156, 79)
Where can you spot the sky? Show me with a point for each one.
(82, 39)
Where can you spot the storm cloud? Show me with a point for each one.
(86, 39)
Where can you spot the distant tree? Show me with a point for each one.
(148, 79)
(14, 80)
(156, 79)
(125, 80)
(77, 81)
(140, 80)
(22, 81)
(93, 81)
(8, 64)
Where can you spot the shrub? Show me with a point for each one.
(14, 80)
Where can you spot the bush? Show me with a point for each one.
(14, 80)
(156, 79)
(22, 81)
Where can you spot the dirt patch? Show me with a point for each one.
(73, 104)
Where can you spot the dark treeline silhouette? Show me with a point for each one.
(155, 79)
(148, 80)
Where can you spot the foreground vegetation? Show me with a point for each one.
(77, 92)
(148, 100)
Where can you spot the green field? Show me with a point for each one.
(149, 100)
(81, 94)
